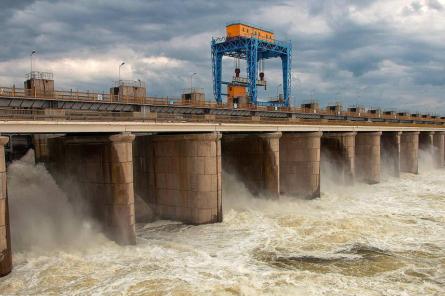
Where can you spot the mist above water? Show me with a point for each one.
(384, 239)
(41, 215)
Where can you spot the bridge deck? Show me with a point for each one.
(11, 97)
(65, 126)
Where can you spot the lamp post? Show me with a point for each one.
(120, 66)
(32, 53)
(191, 81)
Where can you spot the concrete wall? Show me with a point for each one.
(5, 235)
(101, 167)
(39, 87)
(40, 143)
(254, 158)
(439, 148)
(338, 148)
(426, 141)
(367, 157)
(409, 150)
(300, 164)
(390, 152)
(193, 97)
(144, 178)
(180, 176)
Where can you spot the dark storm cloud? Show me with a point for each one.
(364, 62)
(434, 4)
(13, 4)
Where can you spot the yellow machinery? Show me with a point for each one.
(243, 30)
(236, 94)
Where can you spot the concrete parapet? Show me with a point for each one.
(300, 164)
(390, 151)
(409, 151)
(367, 156)
(102, 167)
(338, 148)
(439, 148)
(184, 176)
(5, 234)
(254, 158)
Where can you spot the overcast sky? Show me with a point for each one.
(373, 53)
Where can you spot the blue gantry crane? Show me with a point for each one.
(254, 45)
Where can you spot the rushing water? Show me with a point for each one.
(385, 239)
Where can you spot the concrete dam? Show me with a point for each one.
(179, 175)
(123, 149)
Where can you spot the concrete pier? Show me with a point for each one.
(439, 149)
(40, 143)
(5, 235)
(102, 168)
(254, 158)
(367, 157)
(338, 149)
(300, 164)
(409, 152)
(184, 177)
(390, 152)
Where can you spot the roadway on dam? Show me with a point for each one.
(63, 126)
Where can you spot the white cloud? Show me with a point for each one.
(294, 16)
(420, 19)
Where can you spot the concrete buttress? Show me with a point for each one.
(5, 234)
(409, 152)
(102, 169)
(40, 143)
(367, 157)
(300, 164)
(184, 177)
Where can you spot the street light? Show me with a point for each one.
(32, 53)
(191, 81)
(119, 81)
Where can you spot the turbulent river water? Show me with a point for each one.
(384, 239)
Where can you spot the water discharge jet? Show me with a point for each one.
(43, 217)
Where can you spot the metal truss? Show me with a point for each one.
(252, 50)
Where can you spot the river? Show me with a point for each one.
(384, 239)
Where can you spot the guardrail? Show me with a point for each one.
(39, 75)
(20, 93)
(101, 116)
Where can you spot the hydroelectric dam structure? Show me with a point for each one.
(171, 152)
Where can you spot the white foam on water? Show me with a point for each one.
(384, 239)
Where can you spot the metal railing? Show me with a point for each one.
(74, 95)
(245, 81)
(96, 116)
(222, 39)
(39, 75)
(20, 93)
(193, 90)
(131, 83)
